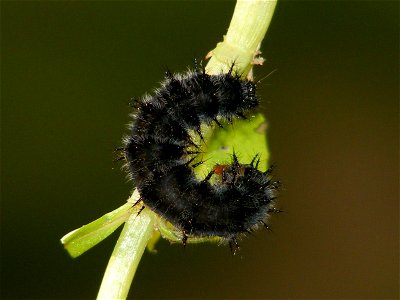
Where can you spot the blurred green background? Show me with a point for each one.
(68, 71)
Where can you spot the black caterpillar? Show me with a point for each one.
(160, 154)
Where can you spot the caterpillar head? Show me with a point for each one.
(236, 96)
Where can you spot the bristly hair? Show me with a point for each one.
(159, 154)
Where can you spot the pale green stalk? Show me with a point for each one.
(247, 29)
(249, 24)
(126, 256)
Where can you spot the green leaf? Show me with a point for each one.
(82, 239)
(244, 137)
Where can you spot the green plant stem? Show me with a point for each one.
(249, 24)
(126, 256)
(247, 29)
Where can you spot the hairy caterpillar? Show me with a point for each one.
(160, 152)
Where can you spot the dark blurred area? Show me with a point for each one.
(68, 71)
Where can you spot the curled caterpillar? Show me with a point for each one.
(160, 153)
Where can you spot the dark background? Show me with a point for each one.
(68, 70)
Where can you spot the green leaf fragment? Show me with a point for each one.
(82, 239)
(174, 235)
(151, 244)
(245, 138)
